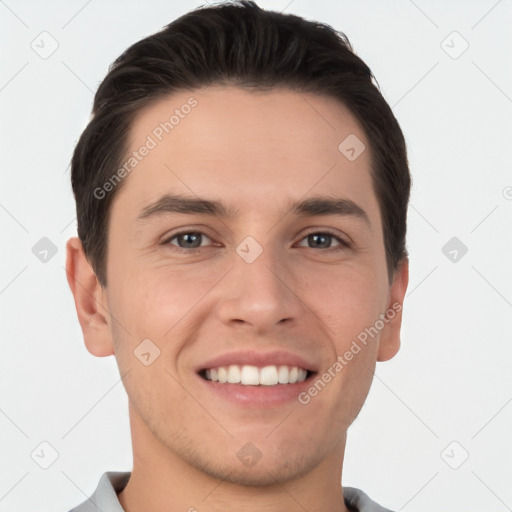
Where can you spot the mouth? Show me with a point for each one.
(256, 378)
(250, 375)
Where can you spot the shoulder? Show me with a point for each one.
(104, 498)
(359, 501)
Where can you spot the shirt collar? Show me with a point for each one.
(104, 498)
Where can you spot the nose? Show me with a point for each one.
(260, 294)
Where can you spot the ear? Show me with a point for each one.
(389, 342)
(90, 300)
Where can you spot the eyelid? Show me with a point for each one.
(168, 239)
(327, 231)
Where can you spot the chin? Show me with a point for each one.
(264, 472)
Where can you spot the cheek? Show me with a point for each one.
(151, 305)
(346, 298)
(153, 299)
(163, 305)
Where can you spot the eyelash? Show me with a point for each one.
(343, 244)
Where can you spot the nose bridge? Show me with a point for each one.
(257, 269)
(260, 271)
(258, 292)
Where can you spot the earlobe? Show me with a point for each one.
(389, 342)
(91, 306)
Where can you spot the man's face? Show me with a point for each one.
(263, 281)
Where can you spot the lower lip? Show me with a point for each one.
(258, 396)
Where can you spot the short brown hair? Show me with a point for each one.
(236, 43)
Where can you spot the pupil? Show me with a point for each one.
(191, 237)
(317, 238)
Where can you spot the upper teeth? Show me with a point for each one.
(253, 376)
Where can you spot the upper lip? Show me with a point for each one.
(257, 358)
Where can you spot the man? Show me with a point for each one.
(242, 191)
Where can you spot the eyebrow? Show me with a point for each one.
(312, 207)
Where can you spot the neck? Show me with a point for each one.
(161, 481)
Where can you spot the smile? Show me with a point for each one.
(249, 375)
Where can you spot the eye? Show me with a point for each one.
(323, 239)
(186, 240)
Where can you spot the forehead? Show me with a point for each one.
(251, 148)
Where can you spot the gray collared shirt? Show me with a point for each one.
(104, 498)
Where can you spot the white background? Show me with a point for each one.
(451, 379)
